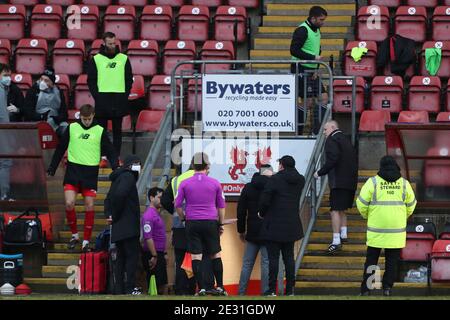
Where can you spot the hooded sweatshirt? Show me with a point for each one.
(279, 207)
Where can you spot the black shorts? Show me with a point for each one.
(160, 270)
(341, 199)
(312, 86)
(203, 236)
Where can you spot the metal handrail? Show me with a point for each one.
(162, 138)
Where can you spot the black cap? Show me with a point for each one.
(287, 161)
(130, 159)
(49, 72)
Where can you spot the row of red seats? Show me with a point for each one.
(373, 23)
(396, 3)
(374, 120)
(141, 3)
(387, 93)
(156, 22)
(69, 55)
(422, 246)
(367, 67)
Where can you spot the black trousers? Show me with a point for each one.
(287, 251)
(392, 257)
(116, 131)
(126, 265)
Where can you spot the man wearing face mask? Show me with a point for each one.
(11, 100)
(110, 79)
(45, 102)
(84, 140)
(305, 45)
(12, 110)
(123, 213)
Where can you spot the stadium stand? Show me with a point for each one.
(387, 93)
(12, 21)
(156, 23)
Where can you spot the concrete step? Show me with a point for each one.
(49, 285)
(326, 210)
(295, 21)
(285, 44)
(335, 262)
(56, 271)
(346, 248)
(65, 236)
(342, 31)
(330, 275)
(63, 259)
(326, 237)
(285, 54)
(303, 9)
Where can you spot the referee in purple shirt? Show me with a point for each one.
(204, 215)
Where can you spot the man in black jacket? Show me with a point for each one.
(14, 97)
(110, 79)
(45, 102)
(123, 212)
(279, 208)
(305, 45)
(342, 168)
(249, 227)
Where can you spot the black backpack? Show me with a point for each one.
(24, 231)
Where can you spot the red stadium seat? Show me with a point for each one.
(217, 50)
(373, 23)
(143, 55)
(366, 67)
(63, 83)
(386, 3)
(24, 2)
(126, 124)
(443, 116)
(31, 56)
(225, 20)
(446, 2)
(445, 234)
(208, 3)
(440, 261)
(100, 3)
(68, 56)
(193, 23)
(120, 20)
(176, 51)
(386, 93)
(61, 2)
(138, 88)
(441, 23)
(423, 3)
(46, 22)
(437, 172)
(244, 3)
(447, 101)
(342, 90)
(444, 69)
(82, 94)
(374, 120)
(193, 92)
(149, 120)
(136, 3)
(172, 3)
(159, 92)
(23, 81)
(156, 23)
(95, 47)
(12, 21)
(73, 115)
(419, 242)
(413, 117)
(424, 94)
(5, 51)
(411, 22)
(88, 17)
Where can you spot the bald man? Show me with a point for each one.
(341, 166)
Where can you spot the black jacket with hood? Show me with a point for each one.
(389, 169)
(279, 207)
(405, 54)
(15, 97)
(109, 105)
(123, 205)
(341, 162)
(247, 208)
(29, 107)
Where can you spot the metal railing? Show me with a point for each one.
(161, 143)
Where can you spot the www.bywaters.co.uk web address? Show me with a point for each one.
(248, 124)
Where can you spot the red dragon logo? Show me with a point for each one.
(263, 157)
(239, 159)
